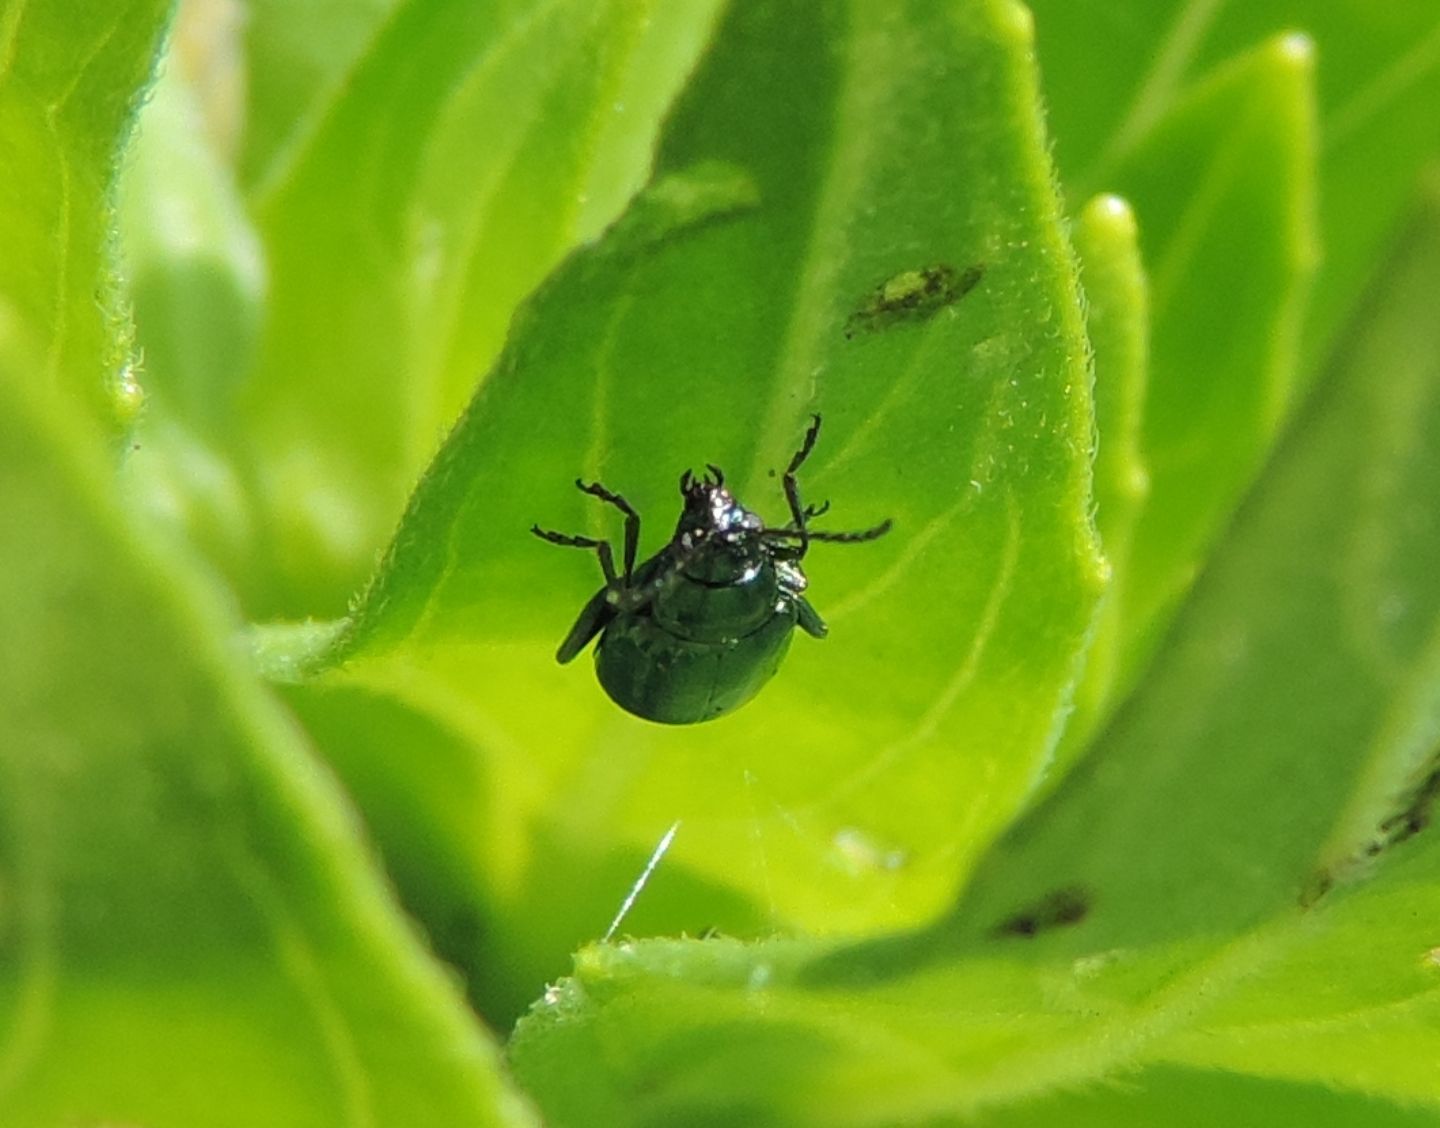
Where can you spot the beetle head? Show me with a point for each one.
(718, 537)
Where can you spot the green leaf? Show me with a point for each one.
(197, 285)
(1117, 317)
(1170, 900)
(190, 931)
(302, 56)
(738, 295)
(1378, 100)
(1353, 1002)
(1197, 1098)
(63, 112)
(1223, 187)
(451, 154)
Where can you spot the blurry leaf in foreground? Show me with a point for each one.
(190, 929)
(61, 127)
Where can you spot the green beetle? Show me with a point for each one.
(695, 631)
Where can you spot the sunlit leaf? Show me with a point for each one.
(739, 295)
(1183, 893)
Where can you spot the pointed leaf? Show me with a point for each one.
(737, 296)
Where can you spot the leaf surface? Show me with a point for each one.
(738, 296)
(63, 114)
(1188, 892)
(191, 930)
(450, 155)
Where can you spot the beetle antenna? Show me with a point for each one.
(686, 480)
(718, 474)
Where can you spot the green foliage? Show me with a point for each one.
(1118, 761)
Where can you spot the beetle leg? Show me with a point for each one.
(806, 445)
(854, 538)
(799, 515)
(632, 521)
(810, 621)
(632, 597)
(602, 549)
(593, 619)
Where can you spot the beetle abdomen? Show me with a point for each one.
(650, 672)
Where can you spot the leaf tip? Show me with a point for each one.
(1113, 214)
(1295, 49)
(1018, 20)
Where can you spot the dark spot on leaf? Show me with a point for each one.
(1060, 909)
(1416, 814)
(1320, 883)
(1413, 813)
(913, 295)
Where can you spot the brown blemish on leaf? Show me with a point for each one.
(1415, 810)
(913, 295)
(1060, 909)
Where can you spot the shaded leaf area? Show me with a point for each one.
(323, 293)
(191, 930)
(1223, 187)
(1191, 889)
(301, 56)
(1117, 303)
(197, 289)
(705, 328)
(1274, 729)
(1378, 105)
(62, 110)
(1355, 1000)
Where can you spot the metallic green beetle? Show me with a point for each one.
(695, 631)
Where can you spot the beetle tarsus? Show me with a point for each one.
(602, 548)
(632, 521)
(854, 538)
(806, 446)
(799, 516)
